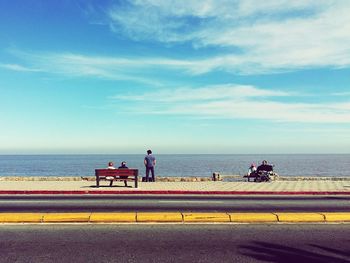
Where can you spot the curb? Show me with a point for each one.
(175, 217)
(166, 192)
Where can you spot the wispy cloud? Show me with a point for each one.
(236, 102)
(210, 93)
(217, 101)
(116, 68)
(270, 36)
(346, 93)
(16, 67)
(78, 65)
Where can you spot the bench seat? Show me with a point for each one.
(122, 174)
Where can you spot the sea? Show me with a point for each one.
(184, 165)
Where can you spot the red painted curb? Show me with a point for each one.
(166, 192)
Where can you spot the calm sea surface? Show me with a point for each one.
(176, 165)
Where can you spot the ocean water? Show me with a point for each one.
(176, 164)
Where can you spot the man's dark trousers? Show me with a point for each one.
(147, 174)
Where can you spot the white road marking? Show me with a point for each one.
(187, 201)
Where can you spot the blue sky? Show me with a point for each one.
(175, 76)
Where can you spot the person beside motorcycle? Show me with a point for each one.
(252, 170)
(265, 167)
(264, 171)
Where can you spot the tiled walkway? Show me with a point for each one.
(277, 186)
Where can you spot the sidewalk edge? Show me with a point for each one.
(165, 192)
(175, 217)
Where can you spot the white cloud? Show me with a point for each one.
(236, 102)
(346, 93)
(77, 65)
(217, 101)
(271, 35)
(115, 68)
(16, 67)
(210, 93)
(268, 36)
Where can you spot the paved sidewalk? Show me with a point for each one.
(88, 187)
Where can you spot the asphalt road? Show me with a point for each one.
(175, 243)
(174, 203)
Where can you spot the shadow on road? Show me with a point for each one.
(263, 251)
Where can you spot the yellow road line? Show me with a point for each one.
(159, 217)
(112, 217)
(21, 217)
(253, 217)
(337, 217)
(206, 217)
(66, 217)
(141, 217)
(300, 217)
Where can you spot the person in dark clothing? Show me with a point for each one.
(265, 167)
(264, 172)
(150, 163)
(123, 166)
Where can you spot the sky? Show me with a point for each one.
(209, 76)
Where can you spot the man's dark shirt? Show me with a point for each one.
(149, 160)
(123, 167)
(265, 167)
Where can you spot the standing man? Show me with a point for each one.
(150, 162)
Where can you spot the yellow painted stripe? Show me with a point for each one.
(206, 217)
(337, 217)
(300, 217)
(253, 217)
(159, 217)
(113, 217)
(20, 217)
(173, 217)
(66, 217)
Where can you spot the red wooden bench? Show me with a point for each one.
(116, 175)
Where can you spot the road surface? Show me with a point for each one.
(175, 243)
(120, 203)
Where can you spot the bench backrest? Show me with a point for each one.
(116, 172)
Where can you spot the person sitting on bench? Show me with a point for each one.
(265, 167)
(110, 167)
(264, 172)
(123, 166)
(252, 170)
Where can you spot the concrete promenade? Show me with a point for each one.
(208, 187)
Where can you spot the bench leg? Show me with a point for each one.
(97, 182)
(136, 181)
(111, 183)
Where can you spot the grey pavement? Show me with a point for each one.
(275, 186)
(175, 203)
(175, 243)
